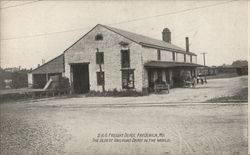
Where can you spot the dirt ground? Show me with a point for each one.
(72, 125)
(201, 93)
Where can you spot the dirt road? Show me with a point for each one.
(196, 129)
(68, 126)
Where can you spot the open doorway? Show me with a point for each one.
(39, 80)
(177, 81)
(80, 77)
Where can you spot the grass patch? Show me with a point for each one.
(114, 93)
(241, 96)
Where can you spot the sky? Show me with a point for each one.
(44, 29)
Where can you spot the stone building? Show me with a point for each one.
(124, 60)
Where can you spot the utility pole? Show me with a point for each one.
(204, 60)
(101, 73)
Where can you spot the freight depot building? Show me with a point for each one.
(128, 61)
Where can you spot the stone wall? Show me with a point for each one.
(150, 54)
(179, 57)
(194, 59)
(187, 58)
(84, 51)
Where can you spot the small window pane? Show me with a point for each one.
(98, 37)
(100, 78)
(99, 58)
(125, 59)
(127, 79)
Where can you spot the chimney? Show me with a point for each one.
(187, 44)
(166, 35)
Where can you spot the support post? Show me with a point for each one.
(204, 60)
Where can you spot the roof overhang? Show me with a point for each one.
(167, 64)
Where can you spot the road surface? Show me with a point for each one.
(122, 126)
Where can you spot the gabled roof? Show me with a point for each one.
(55, 65)
(147, 41)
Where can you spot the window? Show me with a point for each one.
(158, 54)
(98, 37)
(128, 79)
(173, 54)
(184, 57)
(125, 59)
(99, 58)
(100, 78)
(191, 58)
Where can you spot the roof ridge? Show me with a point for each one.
(128, 31)
(173, 46)
(134, 33)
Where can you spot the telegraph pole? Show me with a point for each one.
(204, 60)
(101, 73)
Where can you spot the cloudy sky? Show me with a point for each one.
(36, 30)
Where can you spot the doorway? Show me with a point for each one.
(39, 80)
(80, 77)
(177, 81)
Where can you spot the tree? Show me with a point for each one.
(240, 63)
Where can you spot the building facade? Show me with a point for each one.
(123, 60)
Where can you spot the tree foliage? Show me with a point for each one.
(240, 63)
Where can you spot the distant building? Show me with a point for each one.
(128, 61)
(240, 70)
(12, 69)
(207, 70)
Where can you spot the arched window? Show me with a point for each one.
(99, 37)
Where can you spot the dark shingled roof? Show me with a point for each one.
(147, 41)
(55, 65)
(168, 64)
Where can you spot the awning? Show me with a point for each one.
(167, 64)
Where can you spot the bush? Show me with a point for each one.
(114, 93)
(20, 80)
